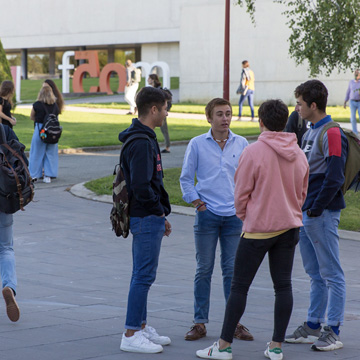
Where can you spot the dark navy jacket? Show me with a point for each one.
(143, 173)
(10, 135)
(327, 169)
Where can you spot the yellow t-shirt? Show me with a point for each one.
(263, 235)
(251, 83)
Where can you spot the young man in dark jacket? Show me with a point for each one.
(149, 204)
(319, 239)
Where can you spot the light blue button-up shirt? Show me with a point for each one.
(214, 169)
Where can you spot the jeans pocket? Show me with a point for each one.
(135, 225)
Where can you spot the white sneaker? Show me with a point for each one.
(47, 180)
(151, 334)
(213, 352)
(139, 343)
(273, 354)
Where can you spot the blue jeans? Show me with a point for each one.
(147, 235)
(208, 229)
(42, 156)
(250, 96)
(354, 106)
(7, 256)
(319, 246)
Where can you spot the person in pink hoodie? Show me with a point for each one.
(271, 183)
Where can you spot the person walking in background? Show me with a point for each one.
(213, 157)
(148, 206)
(7, 255)
(270, 188)
(7, 90)
(154, 81)
(296, 125)
(130, 87)
(246, 89)
(319, 238)
(353, 94)
(43, 157)
(59, 98)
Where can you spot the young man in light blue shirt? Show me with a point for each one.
(213, 157)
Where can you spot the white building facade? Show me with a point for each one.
(186, 34)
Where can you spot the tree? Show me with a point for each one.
(5, 73)
(326, 33)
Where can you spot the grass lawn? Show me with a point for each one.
(82, 129)
(31, 88)
(338, 113)
(349, 216)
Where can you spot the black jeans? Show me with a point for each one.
(249, 256)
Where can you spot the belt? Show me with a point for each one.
(355, 100)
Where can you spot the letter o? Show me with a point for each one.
(105, 77)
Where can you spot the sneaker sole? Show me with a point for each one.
(12, 308)
(335, 346)
(267, 355)
(301, 340)
(142, 351)
(206, 356)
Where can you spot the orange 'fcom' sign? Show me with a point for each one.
(93, 69)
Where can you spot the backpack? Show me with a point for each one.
(352, 165)
(16, 187)
(244, 79)
(119, 214)
(51, 130)
(136, 75)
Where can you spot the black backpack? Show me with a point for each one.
(16, 187)
(119, 215)
(51, 130)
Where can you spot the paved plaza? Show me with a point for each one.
(74, 274)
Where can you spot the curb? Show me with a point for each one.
(81, 191)
(118, 147)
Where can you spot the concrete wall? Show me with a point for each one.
(187, 34)
(168, 52)
(265, 46)
(43, 23)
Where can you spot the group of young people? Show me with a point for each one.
(274, 195)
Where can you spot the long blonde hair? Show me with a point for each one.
(46, 95)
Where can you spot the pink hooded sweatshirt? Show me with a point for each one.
(271, 183)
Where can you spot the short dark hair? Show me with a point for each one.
(313, 91)
(215, 102)
(274, 114)
(148, 97)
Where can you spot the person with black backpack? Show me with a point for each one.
(7, 255)
(148, 205)
(43, 156)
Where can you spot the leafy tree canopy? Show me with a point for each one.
(326, 33)
(5, 73)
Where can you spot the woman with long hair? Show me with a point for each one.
(59, 98)
(154, 81)
(7, 90)
(43, 157)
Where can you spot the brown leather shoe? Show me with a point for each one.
(196, 332)
(242, 333)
